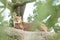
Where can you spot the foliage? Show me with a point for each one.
(45, 9)
(3, 25)
(57, 29)
(54, 37)
(30, 18)
(22, 1)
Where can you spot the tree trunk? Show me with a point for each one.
(19, 9)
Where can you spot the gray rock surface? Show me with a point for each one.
(17, 34)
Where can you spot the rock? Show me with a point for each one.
(17, 34)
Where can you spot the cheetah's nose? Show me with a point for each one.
(17, 21)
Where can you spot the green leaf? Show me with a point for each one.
(22, 1)
(43, 10)
(3, 1)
